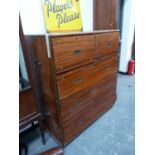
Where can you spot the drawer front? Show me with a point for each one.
(72, 52)
(106, 44)
(75, 104)
(75, 126)
(77, 80)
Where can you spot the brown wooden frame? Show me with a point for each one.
(37, 114)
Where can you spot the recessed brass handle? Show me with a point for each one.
(77, 52)
(108, 44)
(78, 81)
(108, 68)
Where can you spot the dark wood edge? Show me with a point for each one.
(55, 87)
(76, 33)
(28, 116)
(27, 120)
(53, 151)
(81, 33)
(24, 90)
(35, 73)
(28, 128)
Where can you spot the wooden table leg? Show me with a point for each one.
(23, 146)
(42, 129)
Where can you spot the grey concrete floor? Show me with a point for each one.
(111, 134)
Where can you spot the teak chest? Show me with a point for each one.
(78, 74)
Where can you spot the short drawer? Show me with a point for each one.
(85, 77)
(72, 52)
(78, 102)
(106, 44)
(75, 126)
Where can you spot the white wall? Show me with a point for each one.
(32, 17)
(127, 35)
(87, 14)
(33, 20)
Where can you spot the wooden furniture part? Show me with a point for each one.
(78, 74)
(28, 105)
(54, 151)
(106, 14)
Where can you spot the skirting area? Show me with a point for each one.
(111, 134)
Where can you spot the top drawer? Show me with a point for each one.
(72, 52)
(106, 44)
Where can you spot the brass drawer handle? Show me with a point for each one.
(108, 68)
(77, 52)
(108, 44)
(78, 81)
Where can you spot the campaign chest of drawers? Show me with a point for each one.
(77, 73)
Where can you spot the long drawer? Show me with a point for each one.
(106, 44)
(75, 104)
(84, 77)
(85, 118)
(72, 52)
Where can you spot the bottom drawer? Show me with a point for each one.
(73, 127)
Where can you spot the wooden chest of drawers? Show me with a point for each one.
(78, 73)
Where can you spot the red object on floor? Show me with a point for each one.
(131, 67)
